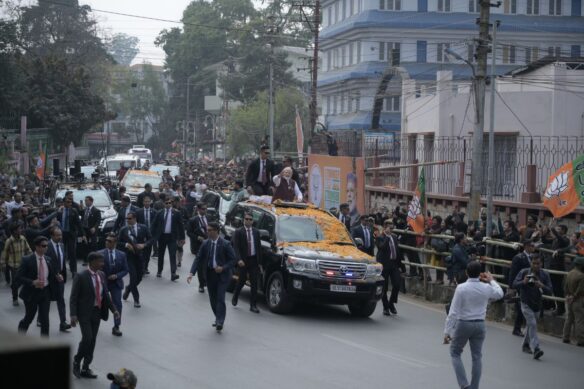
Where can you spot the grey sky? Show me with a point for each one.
(145, 30)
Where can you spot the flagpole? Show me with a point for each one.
(396, 167)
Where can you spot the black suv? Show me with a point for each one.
(308, 255)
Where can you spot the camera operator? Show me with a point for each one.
(532, 283)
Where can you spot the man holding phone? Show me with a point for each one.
(466, 321)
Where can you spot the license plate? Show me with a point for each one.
(344, 288)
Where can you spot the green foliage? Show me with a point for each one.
(248, 125)
(123, 48)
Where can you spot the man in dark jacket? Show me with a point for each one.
(115, 269)
(259, 173)
(532, 283)
(459, 260)
(520, 261)
(197, 232)
(247, 246)
(70, 224)
(90, 221)
(390, 256)
(169, 231)
(56, 251)
(38, 278)
(365, 233)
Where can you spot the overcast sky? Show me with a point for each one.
(145, 30)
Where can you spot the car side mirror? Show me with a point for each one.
(265, 235)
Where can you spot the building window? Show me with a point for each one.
(391, 5)
(508, 54)
(328, 105)
(381, 4)
(350, 103)
(555, 51)
(391, 52)
(531, 54)
(474, 6)
(328, 60)
(336, 12)
(381, 51)
(443, 5)
(392, 104)
(556, 7)
(344, 11)
(350, 53)
(342, 110)
(343, 57)
(351, 7)
(510, 6)
(575, 51)
(533, 7)
(329, 16)
(441, 52)
(421, 49)
(357, 100)
(334, 104)
(358, 52)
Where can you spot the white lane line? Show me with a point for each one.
(412, 362)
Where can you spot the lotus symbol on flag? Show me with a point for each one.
(557, 186)
(415, 208)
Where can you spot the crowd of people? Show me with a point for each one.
(39, 242)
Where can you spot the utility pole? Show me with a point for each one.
(477, 178)
(313, 99)
(186, 126)
(271, 103)
(491, 167)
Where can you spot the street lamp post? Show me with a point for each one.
(186, 126)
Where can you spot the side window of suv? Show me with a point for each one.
(268, 223)
(236, 216)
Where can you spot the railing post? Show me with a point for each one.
(459, 189)
(413, 177)
(530, 195)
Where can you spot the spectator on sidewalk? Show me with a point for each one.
(574, 291)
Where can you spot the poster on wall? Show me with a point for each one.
(333, 181)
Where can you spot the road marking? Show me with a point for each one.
(412, 362)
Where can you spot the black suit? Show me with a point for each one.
(240, 244)
(117, 264)
(520, 261)
(390, 256)
(177, 232)
(71, 228)
(139, 234)
(90, 218)
(368, 241)
(253, 175)
(347, 221)
(147, 217)
(140, 199)
(59, 260)
(197, 232)
(82, 305)
(35, 298)
(216, 282)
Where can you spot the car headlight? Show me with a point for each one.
(302, 265)
(373, 270)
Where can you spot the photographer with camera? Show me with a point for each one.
(532, 283)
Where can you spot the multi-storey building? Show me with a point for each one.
(361, 39)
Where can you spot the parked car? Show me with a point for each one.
(308, 255)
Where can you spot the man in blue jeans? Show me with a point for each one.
(466, 321)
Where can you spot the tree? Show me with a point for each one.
(248, 124)
(123, 48)
(140, 98)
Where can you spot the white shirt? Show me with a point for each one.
(250, 232)
(470, 302)
(297, 193)
(45, 269)
(12, 205)
(262, 163)
(147, 216)
(168, 226)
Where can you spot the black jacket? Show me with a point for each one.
(143, 237)
(121, 220)
(240, 243)
(530, 294)
(140, 199)
(177, 226)
(224, 257)
(28, 272)
(196, 230)
(58, 265)
(520, 262)
(93, 219)
(74, 220)
(141, 216)
(383, 251)
(253, 172)
(358, 232)
(82, 298)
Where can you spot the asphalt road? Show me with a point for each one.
(169, 343)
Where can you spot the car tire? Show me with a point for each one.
(276, 296)
(362, 308)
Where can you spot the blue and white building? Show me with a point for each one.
(360, 39)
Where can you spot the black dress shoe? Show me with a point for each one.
(137, 304)
(537, 353)
(567, 341)
(116, 331)
(201, 289)
(526, 349)
(76, 369)
(214, 325)
(158, 275)
(178, 264)
(392, 309)
(234, 300)
(126, 294)
(174, 277)
(518, 333)
(219, 327)
(386, 312)
(580, 344)
(88, 373)
(254, 309)
(64, 327)
(146, 271)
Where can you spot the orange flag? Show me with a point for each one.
(40, 166)
(565, 188)
(417, 206)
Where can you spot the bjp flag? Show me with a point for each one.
(40, 166)
(417, 206)
(565, 188)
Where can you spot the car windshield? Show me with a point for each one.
(299, 229)
(100, 197)
(224, 206)
(115, 165)
(139, 180)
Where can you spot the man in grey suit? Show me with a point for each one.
(219, 258)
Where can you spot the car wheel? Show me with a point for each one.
(363, 308)
(276, 295)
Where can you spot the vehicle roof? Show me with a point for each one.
(79, 186)
(122, 157)
(139, 172)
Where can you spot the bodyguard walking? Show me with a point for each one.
(219, 258)
(115, 269)
(390, 256)
(56, 251)
(247, 246)
(466, 321)
(89, 304)
(169, 230)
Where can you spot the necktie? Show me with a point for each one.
(112, 259)
(391, 248)
(212, 260)
(249, 242)
(264, 175)
(203, 223)
(366, 233)
(66, 219)
(87, 216)
(42, 275)
(166, 216)
(97, 290)
(134, 232)
(147, 213)
(59, 256)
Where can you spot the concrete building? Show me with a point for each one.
(361, 39)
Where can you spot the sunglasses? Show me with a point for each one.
(129, 218)
(44, 245)
(169, 202)
(248, 218)
(110, 240)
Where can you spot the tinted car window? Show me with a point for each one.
(299, 229)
